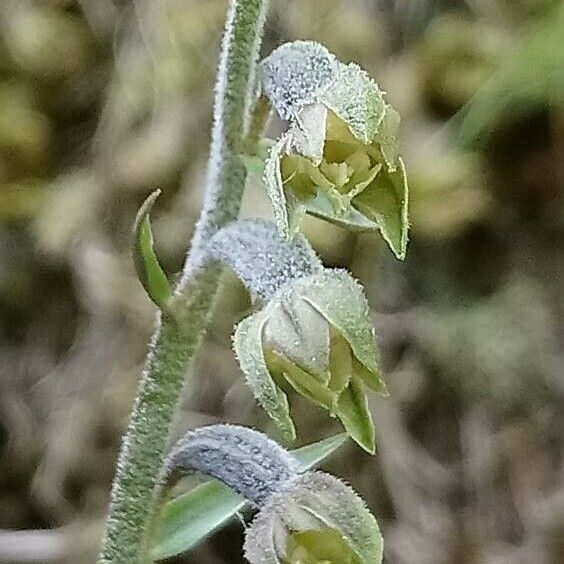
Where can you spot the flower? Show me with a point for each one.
(315, 335)
(314, 519)
(303, 516)
(339, 158)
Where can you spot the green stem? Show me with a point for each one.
(176, 340)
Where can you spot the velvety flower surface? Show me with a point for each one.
(314, 519)
(315, 336)
(339, 158)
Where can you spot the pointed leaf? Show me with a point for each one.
(190, 518)
(311, 455)
(147, 266)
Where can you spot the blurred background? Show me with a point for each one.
(102, 101)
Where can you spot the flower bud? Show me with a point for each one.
(314, 518)
(316, 336)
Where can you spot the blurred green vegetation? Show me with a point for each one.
(102, 101)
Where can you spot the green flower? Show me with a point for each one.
(314, 519)
(339, 159)
(315, 336)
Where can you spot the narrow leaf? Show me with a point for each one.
(147, 266)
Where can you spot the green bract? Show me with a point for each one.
(147, 266)
(314, 519)
(339, 158)
(316, 336)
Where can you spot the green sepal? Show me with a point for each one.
(387, 137)
(357, 100)
(147, 266)
(248, 346)
(352, 410)
(287, 210)
(340, 299)
(386, 203)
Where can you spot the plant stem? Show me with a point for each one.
(177, 339)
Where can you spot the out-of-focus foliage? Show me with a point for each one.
(530, 79)
(92, 119)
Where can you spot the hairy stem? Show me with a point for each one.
(177, 339)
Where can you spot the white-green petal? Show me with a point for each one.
(386, 203)
(296, 75)
(357, 100)
(340, 299)
(287, 210)
(247, 342)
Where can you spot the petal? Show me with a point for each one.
(341, 363)
(247, 343)
(385, 201)
(337, 208)
(326, 545)
(309, 387)
(357, 100)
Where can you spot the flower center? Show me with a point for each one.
(348, 166)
